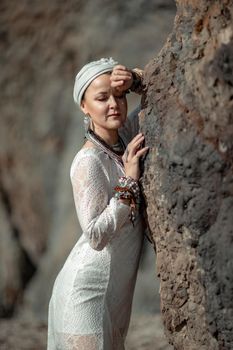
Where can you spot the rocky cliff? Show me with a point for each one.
(188, 179)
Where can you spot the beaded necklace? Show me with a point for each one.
(115, 152)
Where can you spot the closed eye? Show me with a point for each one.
(102, 98)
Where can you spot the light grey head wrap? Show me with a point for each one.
(88, 73)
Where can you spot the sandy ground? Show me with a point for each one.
(145, 333)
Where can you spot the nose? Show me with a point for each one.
(112, 102)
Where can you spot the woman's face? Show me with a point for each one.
(106, 107)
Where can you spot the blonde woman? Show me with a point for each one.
(92, 296)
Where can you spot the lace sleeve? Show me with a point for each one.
(99, 217)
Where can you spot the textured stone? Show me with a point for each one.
(188, 182)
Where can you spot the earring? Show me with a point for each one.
(87, 121)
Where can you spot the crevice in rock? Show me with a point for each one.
(27, 268)
(180, 326)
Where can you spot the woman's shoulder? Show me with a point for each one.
(88, 157)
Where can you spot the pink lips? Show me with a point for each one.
(114, 115)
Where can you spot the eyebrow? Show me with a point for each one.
(101, 93)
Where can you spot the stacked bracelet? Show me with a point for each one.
(132, 185)
(137, 85)
(128, 189)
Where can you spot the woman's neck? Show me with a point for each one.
(109, 136)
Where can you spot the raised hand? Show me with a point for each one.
(121, 78)
(133, 153)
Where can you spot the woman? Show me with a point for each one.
(91, 302)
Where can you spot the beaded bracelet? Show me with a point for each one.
(132, 186)
(128, 189)
(137, 85)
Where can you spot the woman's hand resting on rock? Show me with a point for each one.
(132, 155)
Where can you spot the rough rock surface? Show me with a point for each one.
(188, 181)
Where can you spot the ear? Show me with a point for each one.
(83, 107)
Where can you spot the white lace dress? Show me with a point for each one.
(91, 301)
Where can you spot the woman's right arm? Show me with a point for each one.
(99, 217)
(124, 79)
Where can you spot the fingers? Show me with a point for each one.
(120, 79)
(125, 156)
(118, 83)
(120, 69)
(132, 155)
(120, 66)
(142, 152)
(135, 143)
(136, 138)
(120, 74)
(134, 147)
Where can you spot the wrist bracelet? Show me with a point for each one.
(131, 185)
(128, 189)
(137, 85)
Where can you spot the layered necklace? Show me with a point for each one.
(115, 151)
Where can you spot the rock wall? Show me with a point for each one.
(188, 182)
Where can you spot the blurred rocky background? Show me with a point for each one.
(42, 46)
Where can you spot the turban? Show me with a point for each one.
(88, 73)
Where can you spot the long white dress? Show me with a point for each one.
(92, 296)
